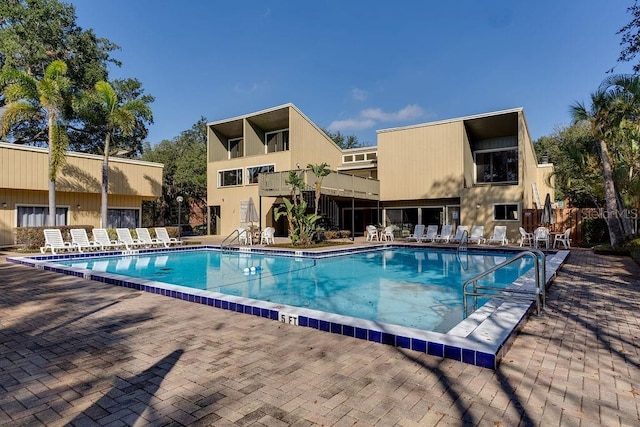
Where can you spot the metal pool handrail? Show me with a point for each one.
(464, 241)
(513, 294)
(232, 240)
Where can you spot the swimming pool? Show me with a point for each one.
(411, 287)
(481, 339)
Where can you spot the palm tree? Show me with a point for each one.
(27, 97)
(320, 171)
(616, 102)
(120, 117)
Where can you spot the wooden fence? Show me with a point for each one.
(564, 218)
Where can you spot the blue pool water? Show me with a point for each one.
(417, 288)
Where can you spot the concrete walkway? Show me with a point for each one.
(76, 352)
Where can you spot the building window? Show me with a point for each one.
(37, 216)
(234, 148)
(123, 218)
(229, 177)
(505, 212)
(277, 141)
(253, 172)
(497, 166)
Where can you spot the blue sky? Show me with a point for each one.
(359, 66)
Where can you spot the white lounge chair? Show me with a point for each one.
(461, 231)
(526, 238)
(445, 234)
(477, 234)
(499, 235)
(418, 232)
(268, 236)
(53, 241)
(563, 238)
(124, 236)
(144, 236)
(430, 234)
(101, 238)
(372, 233)
(80, 240)
(387, 234)
(163, 236)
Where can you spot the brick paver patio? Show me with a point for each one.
(76, 352)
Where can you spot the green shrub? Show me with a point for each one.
(595, 230)
(33, 237)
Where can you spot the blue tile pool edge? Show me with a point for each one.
(483, 344)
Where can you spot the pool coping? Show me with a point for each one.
(481, 339)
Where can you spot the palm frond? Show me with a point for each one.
(16, 112)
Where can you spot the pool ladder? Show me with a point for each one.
(538, 294)
(235, 235)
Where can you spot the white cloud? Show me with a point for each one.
(351, 124)
(359, 94)
(410, 112)
(370, 117)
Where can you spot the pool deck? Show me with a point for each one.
(79, 352)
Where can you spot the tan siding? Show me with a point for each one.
(309, 145)
(28, 169)
(421, 163)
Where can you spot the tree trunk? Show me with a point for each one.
(613, 222)
(51, 220)
(625, 221)
(105, 181)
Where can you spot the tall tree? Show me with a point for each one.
(185, 171)
(577, 174)
(342, 141)
(616, 102)
(631, 37)
(117, 117)
(33, 34)
(27, 97)
(320, 171)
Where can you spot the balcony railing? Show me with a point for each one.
(335, 184)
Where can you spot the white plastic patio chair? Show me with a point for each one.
(526, 238)
(563, 238)
(372, 233)
(244, 238)
(541, 235)
(53, 241)
(267, 237)
(387, 234)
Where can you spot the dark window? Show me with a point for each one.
(235, 148)
(505, 212)
(230, 177)
(253, 172)
(123, 218)
(277, 141)
(497, 166)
